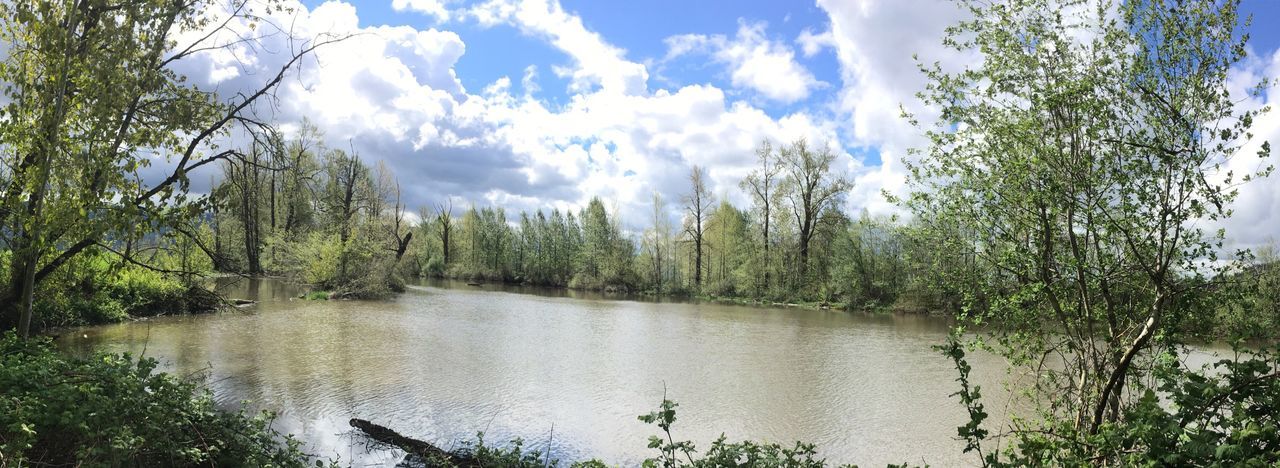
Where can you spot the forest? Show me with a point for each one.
(1057, 214)
(793, 244)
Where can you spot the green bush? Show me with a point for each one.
(672, 453)
(112, 410)
(98, 288)
(358, 269)
(1219, 415)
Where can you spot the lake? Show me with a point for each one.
(445, 360)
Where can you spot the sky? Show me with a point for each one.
(530, 104)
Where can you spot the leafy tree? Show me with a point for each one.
(91, 91)
(727, 247)
(869, 267)
(658, 249)
(812, 191)
(1078, 159)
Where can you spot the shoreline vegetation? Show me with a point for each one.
(1057, 204)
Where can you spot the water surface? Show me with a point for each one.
(444, 361)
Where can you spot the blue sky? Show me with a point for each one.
(532, 104)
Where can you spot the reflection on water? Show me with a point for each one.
(445, 360)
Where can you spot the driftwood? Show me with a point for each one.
(429, 453)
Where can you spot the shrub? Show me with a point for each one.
(113, 410)
(1219, 415)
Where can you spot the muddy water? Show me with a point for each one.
(446, 360)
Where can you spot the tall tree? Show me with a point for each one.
(444, 220)
(812, 189)
(697, 206)
(657, 243)
(348, 192)
(761, 185)
(299, 177)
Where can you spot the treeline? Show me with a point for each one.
(792, 244)
(325, 217)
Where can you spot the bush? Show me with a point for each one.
(97, 288)
(112, 410)
(358, 269)
(672, 454)
(1219, 415)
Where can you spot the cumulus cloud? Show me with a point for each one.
(598, 63)
(1256, 212)
(754, 61)
(393, 94)
(436, 8)
(811, 43)
(875, 42)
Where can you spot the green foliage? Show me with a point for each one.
(970, 396)
(96, 288)
(112, 410)
(343, 242)
(316, 296)
(1220, 415)
(1251, 309)
(92, 97)
(672, 453)
(869, 269)
(1069, 172)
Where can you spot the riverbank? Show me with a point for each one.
(686, 296)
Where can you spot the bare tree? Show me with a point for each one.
(697, 206)
(444, 217)
(761, 184)
(399, 231)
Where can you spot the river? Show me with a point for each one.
(446, 360)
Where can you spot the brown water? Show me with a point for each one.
(446, 360)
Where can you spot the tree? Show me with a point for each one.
(1080, 159)
(697, 206)
(444, 219)
(91, 90)
(812, 190)
(761, 185)
(657, 245)
(727, 243)
(397, 227)
(299, 177)
(348, 191)
(869, 262)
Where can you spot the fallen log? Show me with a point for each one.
(429, 453)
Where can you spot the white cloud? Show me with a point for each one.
(436, 8)
(875, 41)
(755, 62)
(392, 93)
(598, 63)
(1256, 212)
(811, 44)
